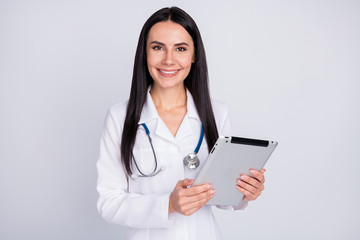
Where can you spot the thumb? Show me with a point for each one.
(184, 183)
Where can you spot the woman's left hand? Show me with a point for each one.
(251, 186)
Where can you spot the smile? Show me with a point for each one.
(168, 72)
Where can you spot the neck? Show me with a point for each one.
(168, 99)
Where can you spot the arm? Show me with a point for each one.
(116, 204)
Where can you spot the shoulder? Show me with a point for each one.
(118, 112)
(119, 108)
(222, 117)
(219, 108)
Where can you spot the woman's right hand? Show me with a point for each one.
(186, 200)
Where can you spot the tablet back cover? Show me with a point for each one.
(230, 157)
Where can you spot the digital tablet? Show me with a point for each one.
(230, 157)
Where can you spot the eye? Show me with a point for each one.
(181, 49)
(157, 48)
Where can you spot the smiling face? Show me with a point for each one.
(170, 53)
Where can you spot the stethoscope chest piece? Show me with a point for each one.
(191, 161)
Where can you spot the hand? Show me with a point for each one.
(252, 186)
(189, 200)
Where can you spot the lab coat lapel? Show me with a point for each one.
(148, 114)
(163, 131)
(186, 128)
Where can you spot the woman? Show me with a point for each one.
(143, 183)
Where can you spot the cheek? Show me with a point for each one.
(151, 60)
(186, 61)
(152, 63)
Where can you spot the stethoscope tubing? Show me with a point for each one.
(154, 172)
(152, 147)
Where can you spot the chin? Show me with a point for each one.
(168, 85)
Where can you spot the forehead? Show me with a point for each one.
(169, 33)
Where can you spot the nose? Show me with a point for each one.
(168, 58)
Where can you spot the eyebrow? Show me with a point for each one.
(176, 44)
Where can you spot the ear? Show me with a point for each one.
(193, 59)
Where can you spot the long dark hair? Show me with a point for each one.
(196, 82)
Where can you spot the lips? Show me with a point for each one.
(168, 73)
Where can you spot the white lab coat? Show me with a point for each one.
(141, 204)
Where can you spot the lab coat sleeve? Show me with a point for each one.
(115, 203)
(225, 129)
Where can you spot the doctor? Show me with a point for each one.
(143, 183)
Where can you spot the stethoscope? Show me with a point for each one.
(191, 161)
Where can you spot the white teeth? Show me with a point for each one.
(168, 72)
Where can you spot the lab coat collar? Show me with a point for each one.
(191, 108)
(150, 113)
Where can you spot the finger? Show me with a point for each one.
(248, 196)
(196, 198)
(199, 202)
(258, 175)
(198, 189)
(186, 203)
(185, 199)
(193, 194)
(191, 211)
(184, 183)
(250, 188)
(250, 180)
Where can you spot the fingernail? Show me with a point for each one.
(210, 186)
(243, 177)
(212, 192)
(252, 172)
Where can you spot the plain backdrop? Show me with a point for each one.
(289, 71)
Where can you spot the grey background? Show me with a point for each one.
(289, 71)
